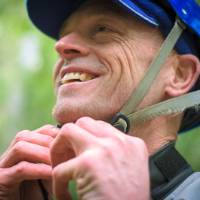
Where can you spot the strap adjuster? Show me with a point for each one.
(121, 122)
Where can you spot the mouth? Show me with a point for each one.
(76, 77)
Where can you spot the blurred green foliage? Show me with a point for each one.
(27, 58)
(26, 95)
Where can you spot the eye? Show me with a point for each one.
(102, 33)
(102, 29)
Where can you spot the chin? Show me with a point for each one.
(65, 115)
(70, 112)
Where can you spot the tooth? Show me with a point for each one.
(69, 76)
(83, 76)
(89, 77)
(66, 78)
(76, 75)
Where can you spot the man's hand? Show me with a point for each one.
(27, 158)
(106, 163)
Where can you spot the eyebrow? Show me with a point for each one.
(98, 17)
(96, 12)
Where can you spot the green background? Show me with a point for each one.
(27, 58)
(26, 62)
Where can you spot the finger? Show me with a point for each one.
(98, 128)
(34, 138)
(25, 171)
(62, 174)
(72, 139)
(25, 151)
(91, 126)
(48, 130)
(78, 137)
(14, 141)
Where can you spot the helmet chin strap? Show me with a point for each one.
(129, 114)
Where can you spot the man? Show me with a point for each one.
(104, 53)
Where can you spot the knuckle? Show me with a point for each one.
(21, 168)
(45, 129)
(139, 142)
(121, 141)
(114, 143)
(82, 121)
(88, 163)
(19, 147)
(92, 157)
(140, 145)
(21, 135)
(66, 129)
(108, 148)
(107, 144)
(48, 126)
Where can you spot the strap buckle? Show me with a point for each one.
(121, 122)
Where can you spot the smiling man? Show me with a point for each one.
(96, 70)
(109, 82)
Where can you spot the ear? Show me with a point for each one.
(186, 73)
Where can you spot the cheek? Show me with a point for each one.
(123, 64)
(57, 68)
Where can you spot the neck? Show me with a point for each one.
(157, 132)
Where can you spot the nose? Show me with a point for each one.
(71, 46)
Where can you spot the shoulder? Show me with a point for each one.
(188, 190)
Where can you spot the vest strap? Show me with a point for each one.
(168, 169)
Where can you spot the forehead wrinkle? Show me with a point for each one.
(105, 11)
(88, 15)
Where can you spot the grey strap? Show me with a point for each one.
(169, 107)
(154, 69)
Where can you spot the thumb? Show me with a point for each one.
(62, 174)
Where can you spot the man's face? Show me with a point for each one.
(104, 53)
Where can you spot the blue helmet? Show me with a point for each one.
(49, 16)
